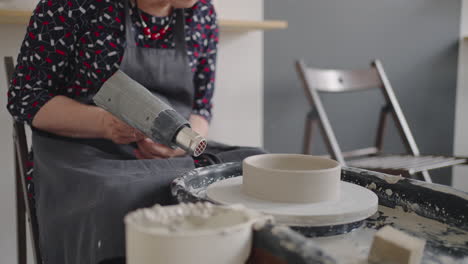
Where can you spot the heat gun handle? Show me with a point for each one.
(134, 104)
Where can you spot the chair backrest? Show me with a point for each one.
(337, 81)
(343, 80)
(24, 204)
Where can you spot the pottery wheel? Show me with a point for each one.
(356, 203)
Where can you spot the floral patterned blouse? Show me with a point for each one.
(72, 47)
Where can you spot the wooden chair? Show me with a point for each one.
(25, 210)
(341, 81)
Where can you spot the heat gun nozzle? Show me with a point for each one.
(190, 141)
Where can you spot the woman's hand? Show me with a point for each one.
(148, 149)
(118, 131)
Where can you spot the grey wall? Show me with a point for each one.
(417, 42)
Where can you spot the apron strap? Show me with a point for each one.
(129, 39)
(179, 36)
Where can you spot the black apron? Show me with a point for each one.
(85, 187)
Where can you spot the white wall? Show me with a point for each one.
(460, 173)
(238, 99)
(12, 37)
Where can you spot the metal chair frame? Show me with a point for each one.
(339, 81)
(25, 213)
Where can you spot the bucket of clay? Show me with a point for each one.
(190, 233)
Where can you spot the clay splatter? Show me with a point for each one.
(436, 213)
(445, 244)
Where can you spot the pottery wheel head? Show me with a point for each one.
(356, 203)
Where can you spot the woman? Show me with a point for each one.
(90, 168)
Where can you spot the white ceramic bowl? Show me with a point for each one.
(190, 233)
(291, 178)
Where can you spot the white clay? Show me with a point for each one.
(356, 203)
(188, 233)
(298, 190)
(291, 178)
(393, 246)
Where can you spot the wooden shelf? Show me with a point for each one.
(21, 17)
(18, 17)
(243, 25)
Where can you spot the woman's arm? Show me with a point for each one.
(41, 72)
(199, 124)
(205, 72)
(67, 117)
(44, 58)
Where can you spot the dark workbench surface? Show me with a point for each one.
(434, 212)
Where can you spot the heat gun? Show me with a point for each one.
(138, 107)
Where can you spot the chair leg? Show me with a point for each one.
(421, 175)
(308, 130)
(381, 127)
(20, 218)
(426, 176)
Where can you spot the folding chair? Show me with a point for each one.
(25, 212)
(340, 81)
